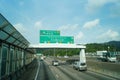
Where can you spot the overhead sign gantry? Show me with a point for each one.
(57, 45)
(53, 39)
(53, 46)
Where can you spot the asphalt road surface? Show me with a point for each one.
(44, 72)
(66, 72)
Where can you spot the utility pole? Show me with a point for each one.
(54, 53)
(66, 51)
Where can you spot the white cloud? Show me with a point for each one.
(91, 24)
(79, 36)
(69, 27)
(20, 28)
(33, 32)
(93, 5)
(38, 24)
(109, 35)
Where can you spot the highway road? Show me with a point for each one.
(66, 72)
(44, 72)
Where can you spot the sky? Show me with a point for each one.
(89, 21)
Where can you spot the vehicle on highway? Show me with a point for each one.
(81, 66)
(55, 63)
(106, 56)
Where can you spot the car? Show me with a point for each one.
(55, 63)
(81, 66)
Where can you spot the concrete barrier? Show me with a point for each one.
(111, 69)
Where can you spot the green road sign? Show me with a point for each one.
(49, 32)
(56, 39)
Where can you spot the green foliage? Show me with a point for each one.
(93, 47)
(59, 52)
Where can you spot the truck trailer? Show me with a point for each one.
(106, 56)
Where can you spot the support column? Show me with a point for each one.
(82, 56)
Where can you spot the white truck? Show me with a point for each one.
(106, 56)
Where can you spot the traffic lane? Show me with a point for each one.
(60, 75)
(68, 72)
(88, 74)
(101, 76)
(61, 72)
(44, 72)
(106, 68)
(74, 74)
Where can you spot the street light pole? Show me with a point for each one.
(108, 48)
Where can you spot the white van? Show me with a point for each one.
(80, 66)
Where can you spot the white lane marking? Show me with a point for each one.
(37, 70)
